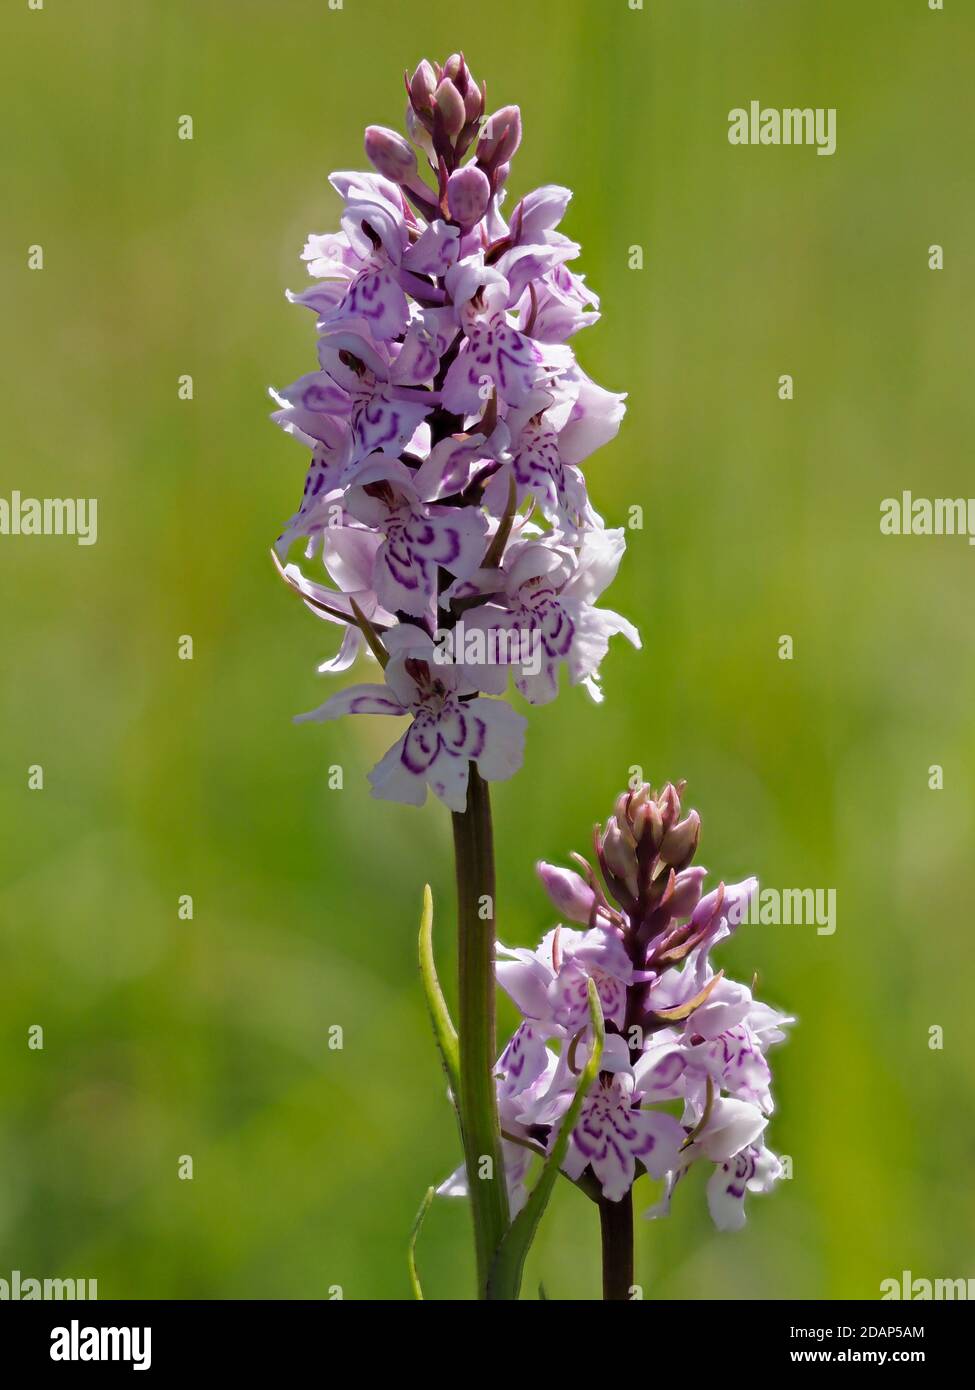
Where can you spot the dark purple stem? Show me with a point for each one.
(616, 1228)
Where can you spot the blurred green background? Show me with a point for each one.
(162, 777)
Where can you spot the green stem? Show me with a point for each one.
(477, 1101)
(616, 1228)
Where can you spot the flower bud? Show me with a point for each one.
(456, 70)
(669, 803)
(687, 892)
(500, 138)
(639, 820)
(642, 813)
(450, 104)
(681, 840)
(568, 890)
(468, 194)
(619, 856)
(473, 103)
(423, 85)
(389, 154)
(655, 825)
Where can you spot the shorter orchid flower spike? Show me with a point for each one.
(684, 1075)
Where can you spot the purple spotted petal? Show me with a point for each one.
(494, 356)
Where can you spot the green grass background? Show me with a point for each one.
(163, 777)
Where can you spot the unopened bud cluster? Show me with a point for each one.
(645, 842)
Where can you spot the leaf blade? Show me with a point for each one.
(411, 1246)
(443, 1028)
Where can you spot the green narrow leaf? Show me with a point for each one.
(509, 1262)
(411, 1248)
(443, 1028)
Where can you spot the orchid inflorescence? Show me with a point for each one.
(676, 1031)
(447, 421)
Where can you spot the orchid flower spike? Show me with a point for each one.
(684, 1076)
(447, 420)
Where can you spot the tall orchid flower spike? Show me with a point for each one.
(446, 527)
(446, 392)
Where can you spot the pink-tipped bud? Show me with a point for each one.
(458, 72)
(669, 803)
(450, 104)
(389, 154)
(423, 85)
(468, 194)
(568, 890)
(473, 103)
(681, 841)
(619, 855)
(654, 825)
(687, 892)
(500, 137)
